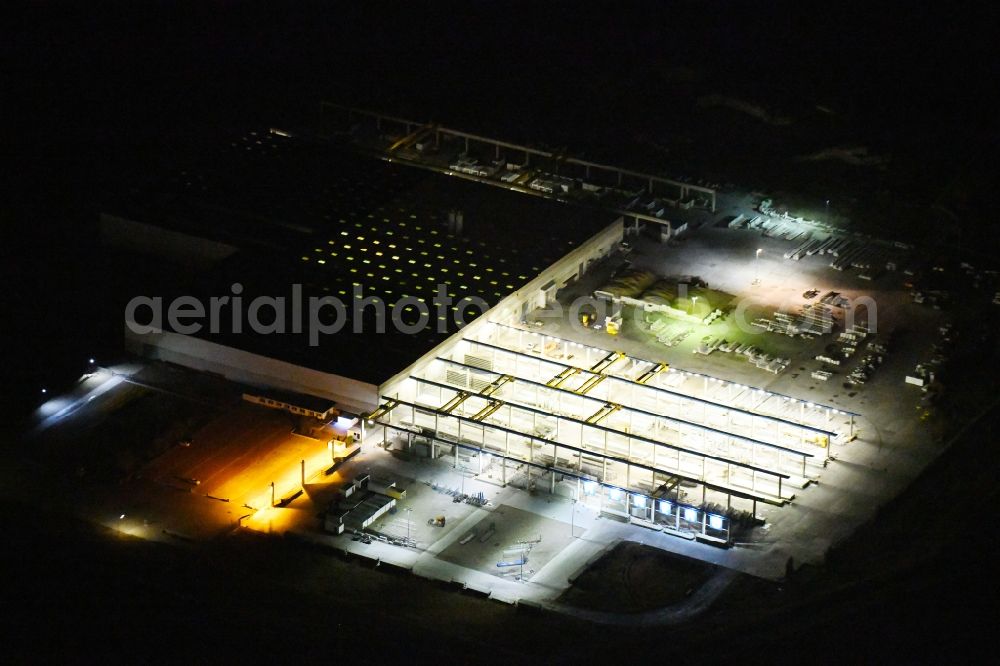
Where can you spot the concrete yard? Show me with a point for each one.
(512, 535)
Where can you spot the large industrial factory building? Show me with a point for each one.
(501, 397)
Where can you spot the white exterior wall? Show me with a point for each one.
(247, 368)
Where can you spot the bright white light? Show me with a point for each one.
(44, 391)
(664, 506)
(691, 514)
(345, 422)
(91, 361)
(615, 494)
(589, 487)
(121, 517)
(639, 501)
(715, 522)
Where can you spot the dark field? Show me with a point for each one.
(632, 577)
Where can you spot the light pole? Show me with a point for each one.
(409, 512)
(572, 519)
(756, 264)
(694, 304)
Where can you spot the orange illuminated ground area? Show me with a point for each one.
(170, 454)
(237, 456)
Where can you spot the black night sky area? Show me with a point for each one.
(93, 93)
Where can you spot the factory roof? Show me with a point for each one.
(347, 225)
